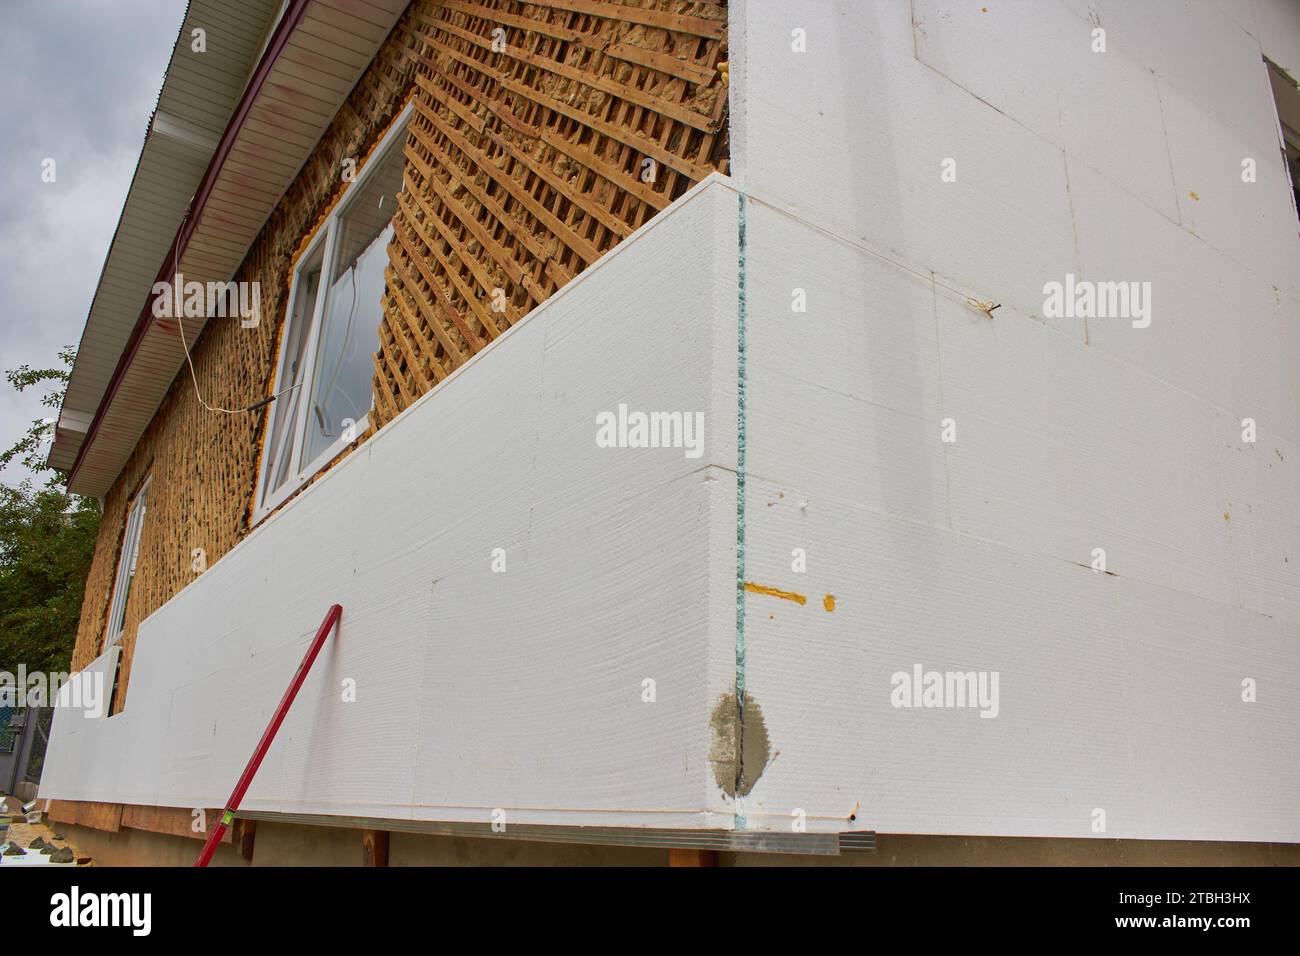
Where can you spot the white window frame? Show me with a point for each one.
(301, 472)
(126, 562)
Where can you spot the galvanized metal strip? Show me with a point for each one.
(749, 841)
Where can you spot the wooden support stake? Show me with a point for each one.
(243, 835)
(374, 847)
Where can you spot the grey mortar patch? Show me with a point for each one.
(753, 752)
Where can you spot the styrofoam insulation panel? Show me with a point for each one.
(477, 690)
(1277, 27)
(1119, 691)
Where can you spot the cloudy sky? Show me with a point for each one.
(81, 79)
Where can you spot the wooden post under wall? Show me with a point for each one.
(374, 847)
(243, 834)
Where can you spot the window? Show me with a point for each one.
(1291, 147)
(126, 567)
(1286, 97)
(323, 382)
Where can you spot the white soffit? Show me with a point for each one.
(328, 49)
(198, 94)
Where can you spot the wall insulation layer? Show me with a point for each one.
(476, 689)
(1121, 693)
(1120, 710)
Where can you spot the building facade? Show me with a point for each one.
(887, 423)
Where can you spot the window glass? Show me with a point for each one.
(126, 567)
(341, 382)
(1291, 146)
(284, 410)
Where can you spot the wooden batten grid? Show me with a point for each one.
(545, 132)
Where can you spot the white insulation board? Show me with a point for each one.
(1120, 693)
(474, 690)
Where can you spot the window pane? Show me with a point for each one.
(341, 389)
(126, 567)
(1291, 142)
(285, 409)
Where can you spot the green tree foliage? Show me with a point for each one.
(47, 537)
(46, 540)
(29, 450)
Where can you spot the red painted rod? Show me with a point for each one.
(263, 745)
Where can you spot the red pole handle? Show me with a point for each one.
(268, 735)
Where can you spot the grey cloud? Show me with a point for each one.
(81, 79)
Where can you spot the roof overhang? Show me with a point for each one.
(223, 147)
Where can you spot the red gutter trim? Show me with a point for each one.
(288, 23)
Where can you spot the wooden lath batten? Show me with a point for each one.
(545, 132)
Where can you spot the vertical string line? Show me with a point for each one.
(740, 512)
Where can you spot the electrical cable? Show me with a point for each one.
(180, 324)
